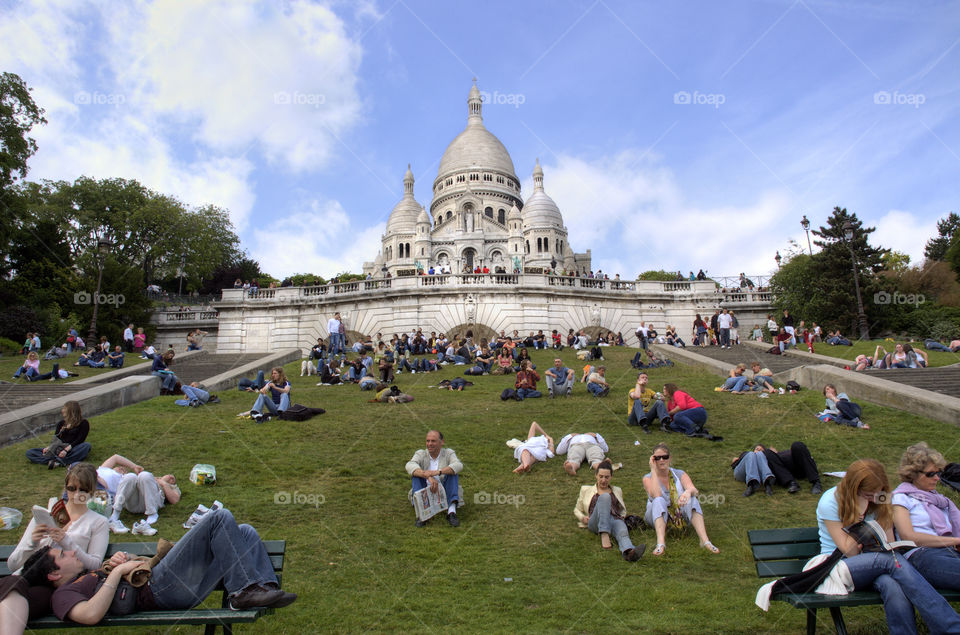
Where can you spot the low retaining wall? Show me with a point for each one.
(229, 379)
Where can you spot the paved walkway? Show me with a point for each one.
(199, 367)
(743, 354)
(13, 396)
(943, 380)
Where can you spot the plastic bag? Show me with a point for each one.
(203, 474)
(10, 518)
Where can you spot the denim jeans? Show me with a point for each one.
(656, 412)
(724, 337)
(902, 588)
(457, 383)
(752, 467)
(595, 388)
(264, 403)
(527, 393)
(257, 383)
(78, 453)
(689, 421)
(168, 381)
(558, 388)
(450, 482)
(933, 345)
(735, 383)
(192, 393)
(601, 522)
(940, 566)
(759, 381)
(215, 549)
(30, 372)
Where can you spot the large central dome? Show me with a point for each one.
(476, 147)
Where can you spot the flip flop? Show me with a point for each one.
(659, 549)
(709, 546)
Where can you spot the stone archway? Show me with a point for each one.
(469, 258)
(593, 331)
(479, 331)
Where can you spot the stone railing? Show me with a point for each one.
(468, 281)
(196, 316)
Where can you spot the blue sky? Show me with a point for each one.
(672, 135)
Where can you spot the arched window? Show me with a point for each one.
(539, 245)
(502, 216)
(515, 250)
(408, 250)
(488, 212)
(421, 251)
(546, 244)
(528, 246)
(449, 215)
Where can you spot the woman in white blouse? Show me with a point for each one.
(87, 532)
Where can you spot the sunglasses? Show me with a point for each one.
(932, 474)
(661, 457)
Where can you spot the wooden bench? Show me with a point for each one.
(210, 618)
(783, 552)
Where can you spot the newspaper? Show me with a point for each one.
(428, 503)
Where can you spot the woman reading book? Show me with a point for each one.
(928, 518)
(862, 495)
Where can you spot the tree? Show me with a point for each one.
(896, 262)
(18, 115)
(947, 232)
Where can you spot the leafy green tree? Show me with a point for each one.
(660, 274)
(18, 115)
(947, 232)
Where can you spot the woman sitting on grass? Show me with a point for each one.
(688, 416)
(537, 447)
(928, 518)
(600, 509)
(737, 382)
(524, 355)
(672, 500)
(861, 495)
(841, 409)
(275, 396)
(69, 443)
(30, 367)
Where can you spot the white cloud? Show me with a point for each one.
(903, 231)
(317, 237)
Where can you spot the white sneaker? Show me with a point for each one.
(117, 527)
(143, 528)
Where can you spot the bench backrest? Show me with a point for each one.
(276, 549)
(782, 552)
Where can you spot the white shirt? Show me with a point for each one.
(333, 326)
(434, 463)
(571, 439)
(127, 334)
(724, 321)
(772, 326)
(110, 478)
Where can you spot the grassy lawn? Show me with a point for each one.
(358, 562)
(868, 347)
(10, 363)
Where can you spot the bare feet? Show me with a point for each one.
(605, 541)
(570, 469)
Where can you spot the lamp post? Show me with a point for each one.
(183, 263)
(806, 227)
(778, 258)
(103, 248)
(861, 316)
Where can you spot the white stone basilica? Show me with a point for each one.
(477, 217)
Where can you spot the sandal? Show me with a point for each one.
(659, 549)
(709, 546)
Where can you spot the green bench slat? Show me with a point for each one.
(164, 618)
(793, 550)
(779, 569)
(777, 536)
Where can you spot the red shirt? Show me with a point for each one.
(682, 399)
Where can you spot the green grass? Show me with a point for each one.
(869, 347)
(359, 563)
(10, 364)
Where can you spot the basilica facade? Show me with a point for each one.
(477, 217)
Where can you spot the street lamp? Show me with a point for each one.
(778, 258)
(861, 316)
(103, 247)
(806, 227)
(183, 263)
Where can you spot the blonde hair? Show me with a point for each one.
(915, 460)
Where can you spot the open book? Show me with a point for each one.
(873, 538)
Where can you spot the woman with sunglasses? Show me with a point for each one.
(87, 532)
(928, 518)
(672, 498)
(862, 495)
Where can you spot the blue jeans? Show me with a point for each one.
(256, 384)
(595, 388)
(450, 482)
(527, 393)
(759, 381)
(752, 467)
(940, 566)
(78, 453)
(457, 383)
(216, 549)
(30, 372)
(639, 417)
(168, 381)
(264, 403)
(736, 384)
(724, 337)
(933, 345)
(353, 375)
(601, 522)
(192, 393)
(116, 363)
(902, 589)
(689, 421)
(557, 387)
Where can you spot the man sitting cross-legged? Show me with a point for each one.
(435, 467)
(215, 550)
(645, 407)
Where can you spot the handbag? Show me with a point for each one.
(124, 597)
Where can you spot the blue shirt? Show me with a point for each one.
(829, 509)
(276, 394)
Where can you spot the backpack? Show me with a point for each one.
(774, 350)
(792, 385)
(299, 412)
(508, 393)
(596, 353)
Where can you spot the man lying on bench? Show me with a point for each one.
(215, 549)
